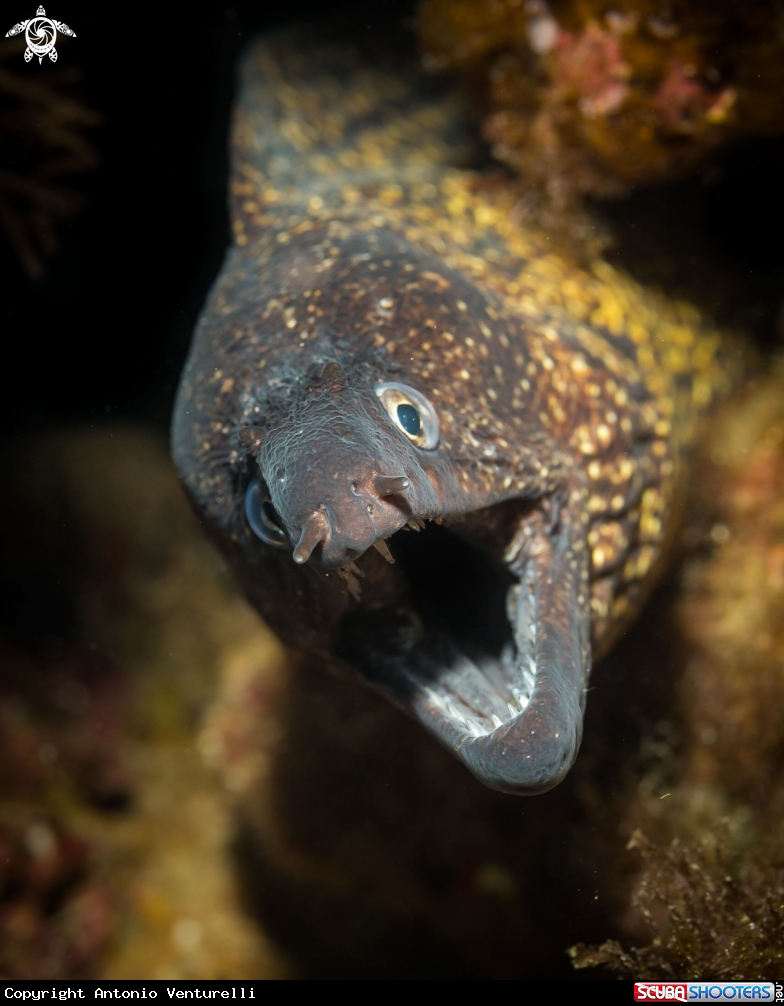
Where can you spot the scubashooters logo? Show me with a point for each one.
(40, 35)
(648, 992)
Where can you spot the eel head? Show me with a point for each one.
(381, 511)
(473, 618)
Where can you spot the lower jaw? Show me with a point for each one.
(446, 653)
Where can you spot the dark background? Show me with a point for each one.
(105, 333)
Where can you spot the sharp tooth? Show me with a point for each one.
(512, 709)
(416, 524)
(496, 720)
(434, 697)
(381, 546)
(456, 714)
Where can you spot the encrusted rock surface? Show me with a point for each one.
(588, 96)
(118, 618)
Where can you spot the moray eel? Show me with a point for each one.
(437, 454)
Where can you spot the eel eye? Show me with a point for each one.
(262, 516)
(411, 413)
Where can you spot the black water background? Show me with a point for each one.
(104, 335)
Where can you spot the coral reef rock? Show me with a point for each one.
(582, 96)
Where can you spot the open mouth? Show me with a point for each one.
(457, 647)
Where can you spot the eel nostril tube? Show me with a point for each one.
(386, 485)
(313, 531)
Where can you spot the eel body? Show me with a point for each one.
(389, 358)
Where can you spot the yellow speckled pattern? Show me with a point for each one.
(594, 338)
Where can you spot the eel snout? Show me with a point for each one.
(352, 514)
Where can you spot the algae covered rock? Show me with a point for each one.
(581, 96)
(114, 838)
(708, 816)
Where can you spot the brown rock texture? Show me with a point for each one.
(114, 838)
(581, 96)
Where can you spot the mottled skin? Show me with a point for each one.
(566, 400)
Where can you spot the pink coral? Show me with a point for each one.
(591, 66)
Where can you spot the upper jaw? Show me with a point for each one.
(349, 514)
